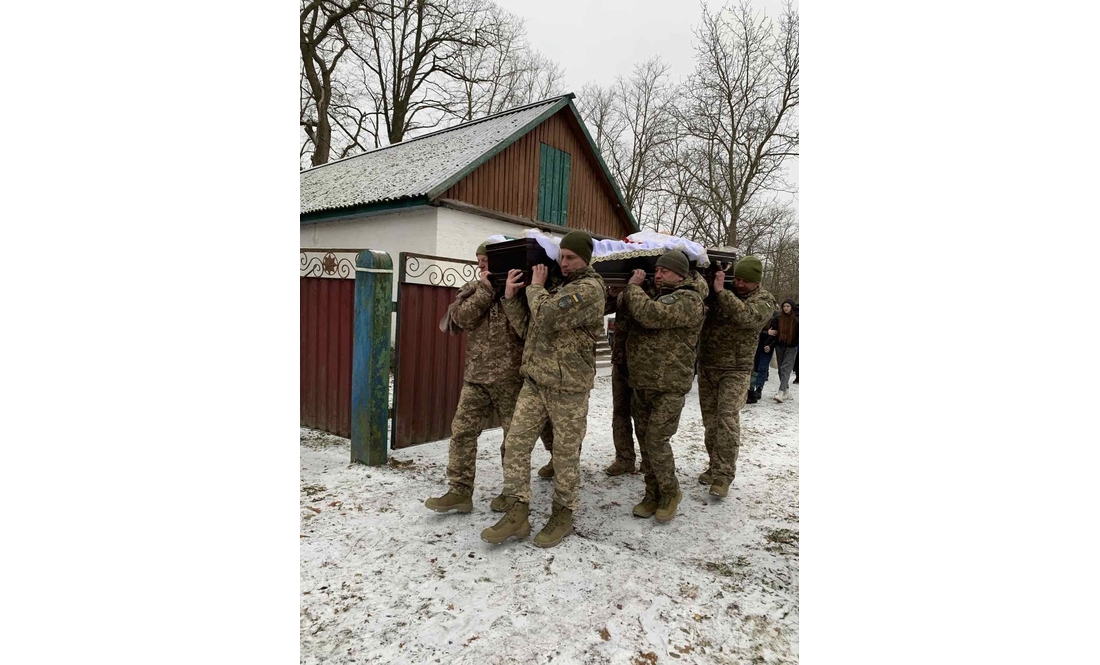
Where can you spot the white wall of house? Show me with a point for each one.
(459, 233)
(435, 231)
(393, 233)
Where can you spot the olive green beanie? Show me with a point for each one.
(676, 261)
(481, 248)
(749, 269)
(580, 243)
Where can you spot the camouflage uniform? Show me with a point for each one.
(494, 349)
(559, 366)
(661, 356)
(621, 392)
(727, 347)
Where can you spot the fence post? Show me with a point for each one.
(370, 357)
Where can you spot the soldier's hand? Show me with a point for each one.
(720, 281)
(538, 275)
(484, 279)
(514, 283)
(637, 278)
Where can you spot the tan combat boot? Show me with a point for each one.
(666, 507)
(559, 526)
(450, 501)
(721, 486)
(514, 523)
(547, 471)
(648, 506)
(499, 504)
(619, 467)
(706, 478)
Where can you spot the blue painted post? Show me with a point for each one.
(370, 357)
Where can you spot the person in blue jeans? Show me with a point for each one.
(761, 362)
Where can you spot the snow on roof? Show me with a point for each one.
(412, 167)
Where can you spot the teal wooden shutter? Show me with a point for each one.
(554, 166)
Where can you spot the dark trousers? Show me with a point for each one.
(621, 430)
(760, 366)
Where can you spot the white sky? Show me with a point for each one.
(597, 40)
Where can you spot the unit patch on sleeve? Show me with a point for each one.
(669, 299)
(568, 301)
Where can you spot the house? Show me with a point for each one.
(444, 193)
(435, 197)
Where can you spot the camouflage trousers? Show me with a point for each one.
(722, 393)
(656, 418)
(568, 414)
(476, 405)
(621, 430)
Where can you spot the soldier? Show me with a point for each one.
(621, 392)
(661, 359)
(559, 366)
(727, 346)
(494, 349)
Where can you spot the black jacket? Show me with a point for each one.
(774, 325)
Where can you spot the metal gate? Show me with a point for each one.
(327, 304)
(430, 363)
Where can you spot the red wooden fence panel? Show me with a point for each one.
(429, 366)
(430, 363)
(327, 306)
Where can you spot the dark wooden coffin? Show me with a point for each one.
(720, 259)
(616, 272)
(522, 254)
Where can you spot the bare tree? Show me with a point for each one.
(410, 49)
(779, 252)
(322, 47)
(632, 120)
(596, 105)
(542, 78)
(488, 79)
(740, 112)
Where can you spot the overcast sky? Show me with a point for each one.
(597, 40)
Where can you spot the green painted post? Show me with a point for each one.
(370, 357)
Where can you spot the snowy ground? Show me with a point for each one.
(386, 580)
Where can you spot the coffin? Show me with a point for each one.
(616, 272)
(718, 257)
(522, 254)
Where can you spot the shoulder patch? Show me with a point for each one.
(669, 299)
(763, 309)
(568, 301)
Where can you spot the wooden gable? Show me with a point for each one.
(527, 179)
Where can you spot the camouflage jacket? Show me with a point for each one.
(560, 348)
(729, 335)
(494, 336)
(623, 323)
(660, 352)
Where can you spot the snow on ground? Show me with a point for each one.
(386, 580)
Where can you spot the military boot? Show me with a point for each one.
(547, 471)
(648, 506)
(499, 504)
(450, 501)
(705, 477)
(514, 523)
(752, 398)
(619, 467)
(720, 487)
(559, 526)
(666, 506)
